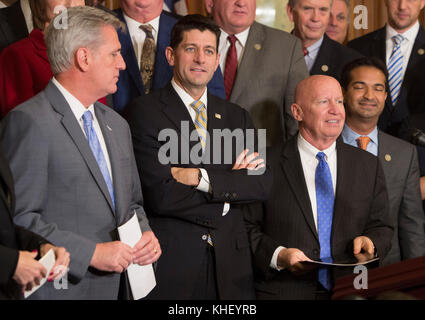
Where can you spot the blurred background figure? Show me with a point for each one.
(338, 23)
(24, 66)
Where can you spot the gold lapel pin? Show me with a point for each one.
(257, 46)
(218, 116)
(387, 157)
(325, 68)
(421, 51)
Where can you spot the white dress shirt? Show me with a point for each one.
(406, 45)
(224, 46)
(78, 110)
(138, 36)
(309, 163)
(313, 51)
(2, 5)
(204, 184)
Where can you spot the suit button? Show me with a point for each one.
(315, 251)
(204, 237)
(234, 195)
(227, 194)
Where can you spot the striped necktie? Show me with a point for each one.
(201, 121)
(395, 68)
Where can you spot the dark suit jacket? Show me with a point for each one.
(180, 215)
(286, 218)
(401, 172)
(12, 25)
(410, 106)
(332, 58)
(12, 237)
(130, 84)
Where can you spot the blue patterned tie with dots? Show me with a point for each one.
(325, 206)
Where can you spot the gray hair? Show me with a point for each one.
(81, 27)
(292, 3)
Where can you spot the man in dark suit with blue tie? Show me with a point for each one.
(147, 68)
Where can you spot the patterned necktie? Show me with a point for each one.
(231, 66)
(147, 60)
(363, 141)
(395, 68)
(325, 206)
(201, 121)
(97, 152)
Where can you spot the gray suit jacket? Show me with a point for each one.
(60, 191)
(399, 160)
(271, 67)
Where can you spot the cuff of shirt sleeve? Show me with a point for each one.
(273, 262)
(204, 185)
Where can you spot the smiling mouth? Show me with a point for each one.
(332, 121)
(197, 70)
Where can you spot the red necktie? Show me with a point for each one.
(231, 66)
(305, 51)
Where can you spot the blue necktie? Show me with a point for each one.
(325, 207)
(395, 68)
(97, 152)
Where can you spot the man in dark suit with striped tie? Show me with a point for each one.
(193, 194)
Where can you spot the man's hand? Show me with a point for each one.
(62, 260)
(248, 162)
(147, 250)
(290, 259)
(28, 272)
(363, 244)
(187, 176)
(113, 256)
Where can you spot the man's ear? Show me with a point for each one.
(289, 12)
(209, 4)
(169, 54)
(82, 59)
(297, 112)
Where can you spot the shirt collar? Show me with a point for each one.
(315, 47)
(410, 34)
(187, 98)
(312, 151)
(134, 25)
(351, 136)
(242, 36)
(76, 106)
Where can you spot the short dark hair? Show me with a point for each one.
(193, 22)
(362, 62)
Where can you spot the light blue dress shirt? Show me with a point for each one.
(349, 137)
(313, 51)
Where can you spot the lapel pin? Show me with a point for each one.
(218, 116)
(421, 51)
(387, 157)
(109, 128)
(325, 68)
(257, 46)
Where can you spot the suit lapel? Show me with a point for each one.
(7, 190)
(127, 52)
(418, 52)
(344, 163)
(175, 110)
(163, 71)
(73, 128)
(293, 170)
(378, 46)
(252, 53)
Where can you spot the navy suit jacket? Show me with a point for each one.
(130, 83)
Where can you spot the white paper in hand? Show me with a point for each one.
(141, 278)
(48, 261)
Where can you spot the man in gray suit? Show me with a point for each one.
(261, 67)
(364, 82)
(73, 163)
